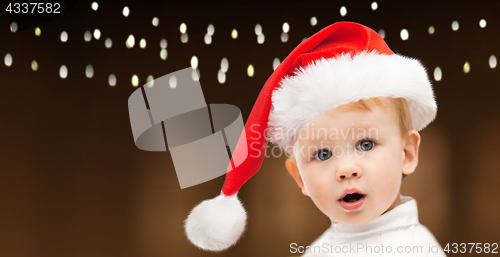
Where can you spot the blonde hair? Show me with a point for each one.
(398, 105)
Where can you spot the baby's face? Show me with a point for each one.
(351, 163)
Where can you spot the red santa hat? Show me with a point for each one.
(344, 62)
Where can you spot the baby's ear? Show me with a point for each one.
(293, 169)
(410, 150)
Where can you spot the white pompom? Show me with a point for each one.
(216, 224)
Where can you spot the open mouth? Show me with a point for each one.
(351, 198)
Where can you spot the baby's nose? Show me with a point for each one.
(349, 171)
(348, 175)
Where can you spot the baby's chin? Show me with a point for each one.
(353, 218)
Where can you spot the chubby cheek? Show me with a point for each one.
(386, 182)
(320, 189)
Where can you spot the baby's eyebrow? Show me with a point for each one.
(334, 134)
(364, 125)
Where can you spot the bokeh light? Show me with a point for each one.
(163, 43)
(492, 62)
(404, 34)
(343, 11)
(194, 62)
(221, 76)
(313, 21)
(258, 29)
(130, 41)
(8, 60)
(150, 81)
(381, 32)
(184, 37)
(183, 28)
(163, 54)
(135, 80)
(260, 39)
(89, 71)
(431, 30)
(63, 72)
(276, 63)
(224, 64)
(112, 80)
(126, 11)
(87, 36)
(286, 27)
(13, 27)
(482, 23)
(172, 82)
(64, 36)
(438, 74)
(195, 75)
(466, 67)
(155, 21)
(284, 37)
(34, 65)
(108, 43)
(208, 39)
(211, 30)
(250, 70)
(97, 34)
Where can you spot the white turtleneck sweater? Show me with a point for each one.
(394, 233)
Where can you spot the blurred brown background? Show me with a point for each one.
(72, 182)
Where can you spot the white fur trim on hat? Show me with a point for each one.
(328, 83)
(216, 224)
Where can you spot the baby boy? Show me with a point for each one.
(349, 110)
(350, 161)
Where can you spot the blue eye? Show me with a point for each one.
(365, 145)
(323, 155)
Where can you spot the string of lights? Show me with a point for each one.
(64, 70)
